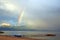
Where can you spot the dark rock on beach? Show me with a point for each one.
(50, 35)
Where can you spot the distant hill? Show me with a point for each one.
(22, 29)
(7, 29)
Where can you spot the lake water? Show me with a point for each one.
(26, 33)
(8, 31)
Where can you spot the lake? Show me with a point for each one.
(30, 33)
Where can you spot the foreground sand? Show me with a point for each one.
(16, 38)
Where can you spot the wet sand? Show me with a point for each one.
(4, 37)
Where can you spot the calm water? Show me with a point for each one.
(57, 37)
(29, 33)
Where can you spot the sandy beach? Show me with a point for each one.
(4, 37)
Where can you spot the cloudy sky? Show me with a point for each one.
(37, 14)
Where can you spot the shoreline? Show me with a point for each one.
(5, 37)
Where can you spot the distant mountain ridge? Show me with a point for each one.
(7, 29)
(22, 29)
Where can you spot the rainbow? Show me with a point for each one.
(20, 17)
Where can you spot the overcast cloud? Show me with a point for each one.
(39, 14)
